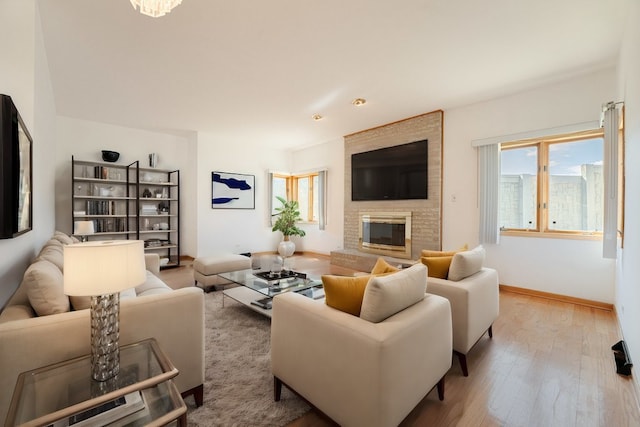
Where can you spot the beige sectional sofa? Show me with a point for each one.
(40, 325)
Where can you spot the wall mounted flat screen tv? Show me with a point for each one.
(391, 173)
(15, 172)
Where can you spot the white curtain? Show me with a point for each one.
(489, 192)
(322, 199)
(610, 227)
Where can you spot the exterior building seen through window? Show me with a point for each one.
(553, 185)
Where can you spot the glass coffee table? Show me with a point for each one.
(259, 287)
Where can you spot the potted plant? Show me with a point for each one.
(288, 214)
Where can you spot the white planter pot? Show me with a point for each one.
(286, 248)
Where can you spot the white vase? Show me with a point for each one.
(286, 248)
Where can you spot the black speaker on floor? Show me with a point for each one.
(621, 355)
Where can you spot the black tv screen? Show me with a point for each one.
(392, 173)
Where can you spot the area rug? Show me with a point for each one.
(238, 389)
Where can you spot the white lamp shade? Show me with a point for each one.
(103, 267)
(82, 228)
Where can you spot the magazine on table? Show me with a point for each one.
(106, 413)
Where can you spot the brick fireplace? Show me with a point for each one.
(425, 229)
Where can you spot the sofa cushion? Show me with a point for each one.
(466, 263)
(52, 253)
(79, 302)
(345, 293)
(382, 267)
(387, 295)
(128, 293)
(84, 302)
(152, 286)
(437, 266)
(62, 238)
(45, 288)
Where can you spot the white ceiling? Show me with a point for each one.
(257, 70)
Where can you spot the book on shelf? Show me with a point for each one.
(101, 207)
(101, 172)
(109, 225)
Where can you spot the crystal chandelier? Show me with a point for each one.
(155, 8)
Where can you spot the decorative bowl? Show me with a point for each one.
(110, 156)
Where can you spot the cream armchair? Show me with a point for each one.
(474, 307)
(357, 372)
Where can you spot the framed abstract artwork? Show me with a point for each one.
(232, 191)
(16, 175)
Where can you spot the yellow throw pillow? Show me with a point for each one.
(428, 253)
(382, 267)
(345, 293)
(437, 266)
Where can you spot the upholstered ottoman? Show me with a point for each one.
(206, 269)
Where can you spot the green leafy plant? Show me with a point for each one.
(288, 214)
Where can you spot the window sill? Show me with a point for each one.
(552, 235)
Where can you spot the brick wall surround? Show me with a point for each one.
(426, 215)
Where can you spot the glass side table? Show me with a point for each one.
(55, 394)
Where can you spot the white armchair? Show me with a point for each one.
(357, 372)
(474, 307)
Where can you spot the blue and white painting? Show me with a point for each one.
(232, 191)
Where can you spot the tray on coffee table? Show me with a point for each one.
(284, 274)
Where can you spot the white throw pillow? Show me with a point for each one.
(387, 295)
(466, 263)
(45, 288)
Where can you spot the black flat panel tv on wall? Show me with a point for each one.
(392, 173)
(15, 172)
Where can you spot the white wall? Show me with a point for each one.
(329, 155)
(628, 278)
(237, 230)
(24, 76)
(533, 263)
(85, 140)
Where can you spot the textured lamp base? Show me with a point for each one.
(105, 333)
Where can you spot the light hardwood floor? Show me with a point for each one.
(549, 364)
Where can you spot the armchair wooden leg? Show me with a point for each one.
(462, 358)
(277, 389)
(491, 331)
(441, 389)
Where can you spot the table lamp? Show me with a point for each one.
(101, 269)
(83, 229)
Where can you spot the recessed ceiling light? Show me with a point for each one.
(317, 117)
(359, 101)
